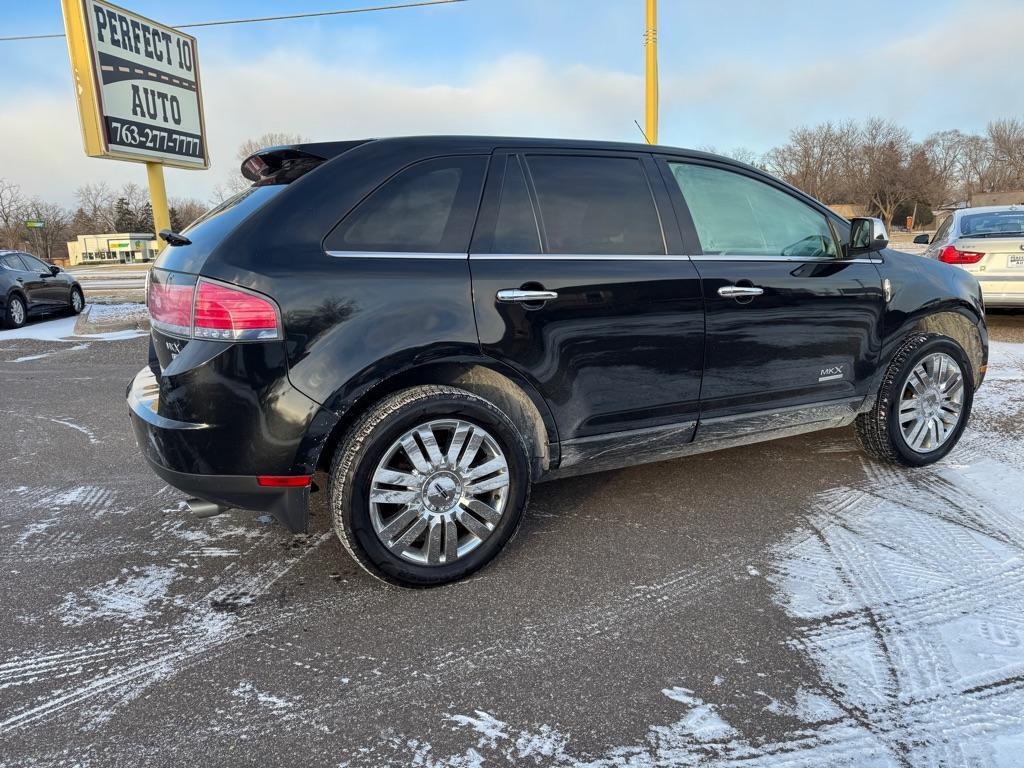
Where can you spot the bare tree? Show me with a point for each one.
(886, 156)
(50, 240)
(185, 210)
(12, 215)
(235, 182)
(818, 160)
(1007, 144)
(95, 212)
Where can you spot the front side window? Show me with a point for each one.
(33, 264)
(427, 208)
(738, 215)
(596, 205)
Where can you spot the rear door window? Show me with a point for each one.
(595, 205)
(735, 214)
(515, 230)
(13, 261)
(429, 207)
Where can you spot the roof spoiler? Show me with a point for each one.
(267, 164)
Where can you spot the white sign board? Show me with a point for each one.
(146, 88)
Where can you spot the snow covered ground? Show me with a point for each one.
(789, 604)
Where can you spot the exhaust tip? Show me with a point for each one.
(200, 508)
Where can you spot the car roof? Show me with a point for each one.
(990, 209)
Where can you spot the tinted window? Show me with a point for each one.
(735, 214)
(943, 230)
(515, 230)
(994, 224)
(428, 208)
(12, 261)
(595, 205)
(33, 264)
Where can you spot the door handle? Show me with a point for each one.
(739, 291)
(519, 296)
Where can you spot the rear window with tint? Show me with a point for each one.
(994, 224)
(429, 207)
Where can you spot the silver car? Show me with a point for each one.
(989, 243)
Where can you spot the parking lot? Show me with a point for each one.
(782, 604)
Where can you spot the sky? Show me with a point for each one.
(734, 73)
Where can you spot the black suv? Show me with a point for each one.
(439, 322)
(30, 286)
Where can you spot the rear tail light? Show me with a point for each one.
(181, 305)
(951, 255)
(229, 314)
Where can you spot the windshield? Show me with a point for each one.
(993, 224)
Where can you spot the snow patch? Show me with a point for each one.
(135, 596)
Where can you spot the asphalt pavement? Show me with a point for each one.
(790, 603)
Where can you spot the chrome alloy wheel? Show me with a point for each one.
(17, 311)
(931, 403)
(76, 301)
(439, 491)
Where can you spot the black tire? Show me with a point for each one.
(76, 291)
(878, 430)
(365, 445)
(11, 312)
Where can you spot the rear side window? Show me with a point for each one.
(595, 205)
(429, 207)
(12, 261)
(737, 215)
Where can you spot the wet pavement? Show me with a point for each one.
(786, 604)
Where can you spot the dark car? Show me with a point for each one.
(439, 322)
(30, 286)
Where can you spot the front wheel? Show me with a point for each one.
(77, 301)
(429, 485)
(923, 403)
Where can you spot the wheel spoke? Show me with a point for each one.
(487, 468)
(916, 436)
(402, 543)
(485, 511)
(458, 440)
(434, 542)
(393, 477)
(491, 484)
(451, 541)
(430, 443)
(472, 448)
(412, 450)
(471, 524)
(391, 496)
(398, 524)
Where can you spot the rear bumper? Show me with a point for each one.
(1001, 290)
(192, 457)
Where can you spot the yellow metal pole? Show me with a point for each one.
(158, 196)
(651, 52)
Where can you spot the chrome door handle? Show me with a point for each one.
(519, 296)
(739, 291)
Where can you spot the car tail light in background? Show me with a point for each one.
(951, 255)
(182, 305)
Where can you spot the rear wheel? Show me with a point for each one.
(923, 403)
(16, 313)
(429, 486)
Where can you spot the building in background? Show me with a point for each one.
(119, 248)
(979, 199)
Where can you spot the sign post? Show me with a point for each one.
(651, 57)
(138, 90)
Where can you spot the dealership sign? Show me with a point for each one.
(137, 83)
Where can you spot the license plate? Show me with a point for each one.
(1015, 260)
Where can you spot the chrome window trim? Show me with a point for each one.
(394, 255)
(591, 257)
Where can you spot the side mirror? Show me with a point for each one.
(921, 240)
(54, 270)
(867, 234)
